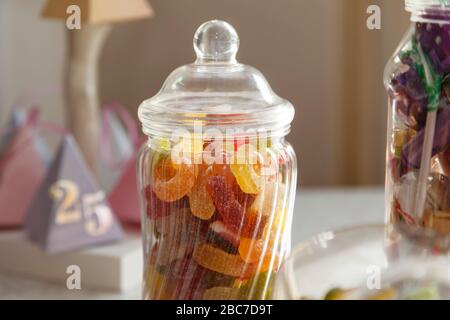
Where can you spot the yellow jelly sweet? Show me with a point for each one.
(246, 169)
(252, 168)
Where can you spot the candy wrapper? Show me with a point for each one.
(69, 211)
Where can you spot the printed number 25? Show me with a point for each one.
(98, 217)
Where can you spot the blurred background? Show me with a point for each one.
(317, 54)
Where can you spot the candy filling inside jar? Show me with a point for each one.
(217, 219)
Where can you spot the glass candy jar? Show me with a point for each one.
(418, 155)
(218, 178)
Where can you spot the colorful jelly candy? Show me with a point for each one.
(172, 182)
(261, 252)
(169, 249)
(270, 200)
(180, 224)
(254, 224)
(247, 178)
(188, 280)
(248, 175)
(177, 235)
(157, 208)
(185, 280)
(231, 212)
(251, 250)
(219, 261)
(270, 263)
(224, 171)
(252, 169)
(270, 203)
(154, 276)
(214, 279)
(246, 199)
(200, 201)
(229, 209)
(221, 237)
(212, 237)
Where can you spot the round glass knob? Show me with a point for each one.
(216, 41)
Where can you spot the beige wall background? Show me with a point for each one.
(318, 54)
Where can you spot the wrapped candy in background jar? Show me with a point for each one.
(418, 154)
(217, 176)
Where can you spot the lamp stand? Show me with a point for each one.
(81, 89)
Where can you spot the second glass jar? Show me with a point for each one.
(418, 155)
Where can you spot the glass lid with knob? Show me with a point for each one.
(216, 91)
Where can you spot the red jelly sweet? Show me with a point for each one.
(232, 212)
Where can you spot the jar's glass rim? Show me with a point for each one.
(419, 5)
(164, 117)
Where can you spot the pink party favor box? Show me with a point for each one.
(21, 172)
(124, 198)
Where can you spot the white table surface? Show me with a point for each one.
(315, 211)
